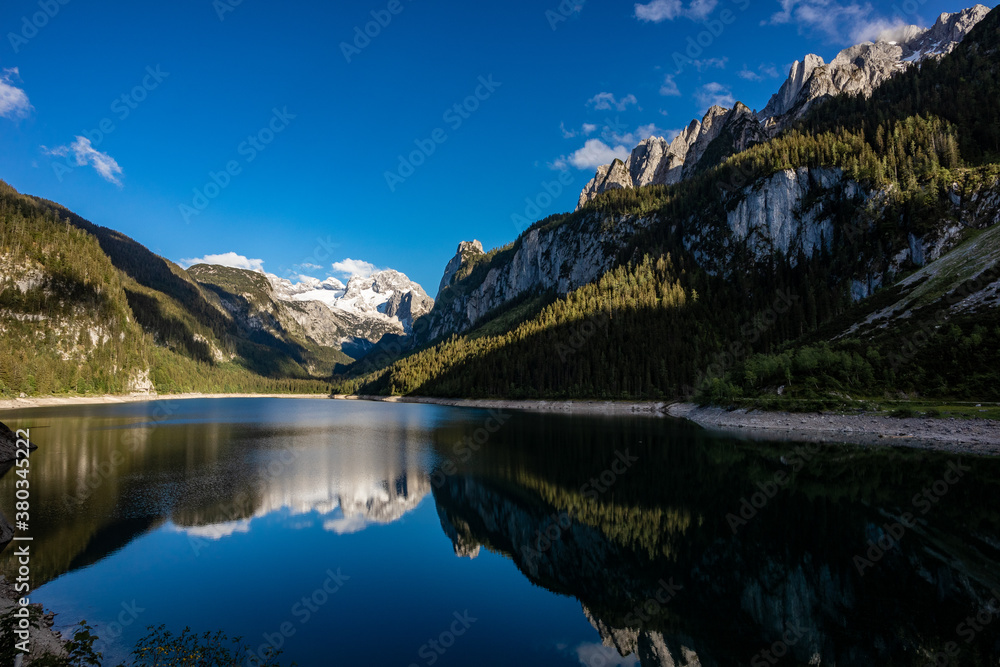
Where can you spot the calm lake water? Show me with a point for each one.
(354, 533)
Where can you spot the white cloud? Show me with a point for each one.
(714, 94)
(349, 268)
(230, 259)
(85, 153)
(710, 63)
(659, 10)
(633, 138)
(669, 87)
(346, 525)
(615, 142)
(765, 71)
(309, 265)
(586, 130)
(605, 101)
(667, 10)
(14, 102)
(837, 22)
(884, 30)
(593, 154)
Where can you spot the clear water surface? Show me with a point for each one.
(354, 533)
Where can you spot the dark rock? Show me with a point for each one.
(8, 444)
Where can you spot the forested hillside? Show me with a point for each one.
(891, 183)
(84, 309)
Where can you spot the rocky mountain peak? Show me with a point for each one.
(859, 69)
(358, 313)
(656, 162)
(947, 31)
(781, 102)
(466, 251)
(856, 70)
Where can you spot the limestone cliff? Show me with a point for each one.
(787, 214)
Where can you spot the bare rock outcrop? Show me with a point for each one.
(658, 162)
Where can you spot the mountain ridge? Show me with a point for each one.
(858, 69)
(784, 244)
(86, 309)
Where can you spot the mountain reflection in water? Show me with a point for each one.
(830, 570)
(682, 548)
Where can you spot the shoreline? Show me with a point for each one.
(590, 407)
(978, 436)
(57, 401)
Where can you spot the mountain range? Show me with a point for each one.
(857, 70)
(86, 309)
(838, 245)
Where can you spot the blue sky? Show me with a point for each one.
(274, 130)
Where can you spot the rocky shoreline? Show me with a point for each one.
(977, 437)
(44, 640)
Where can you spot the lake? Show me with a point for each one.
(357, 533)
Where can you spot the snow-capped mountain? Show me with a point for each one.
(387, 293)
(857, 70)
(325, 313)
